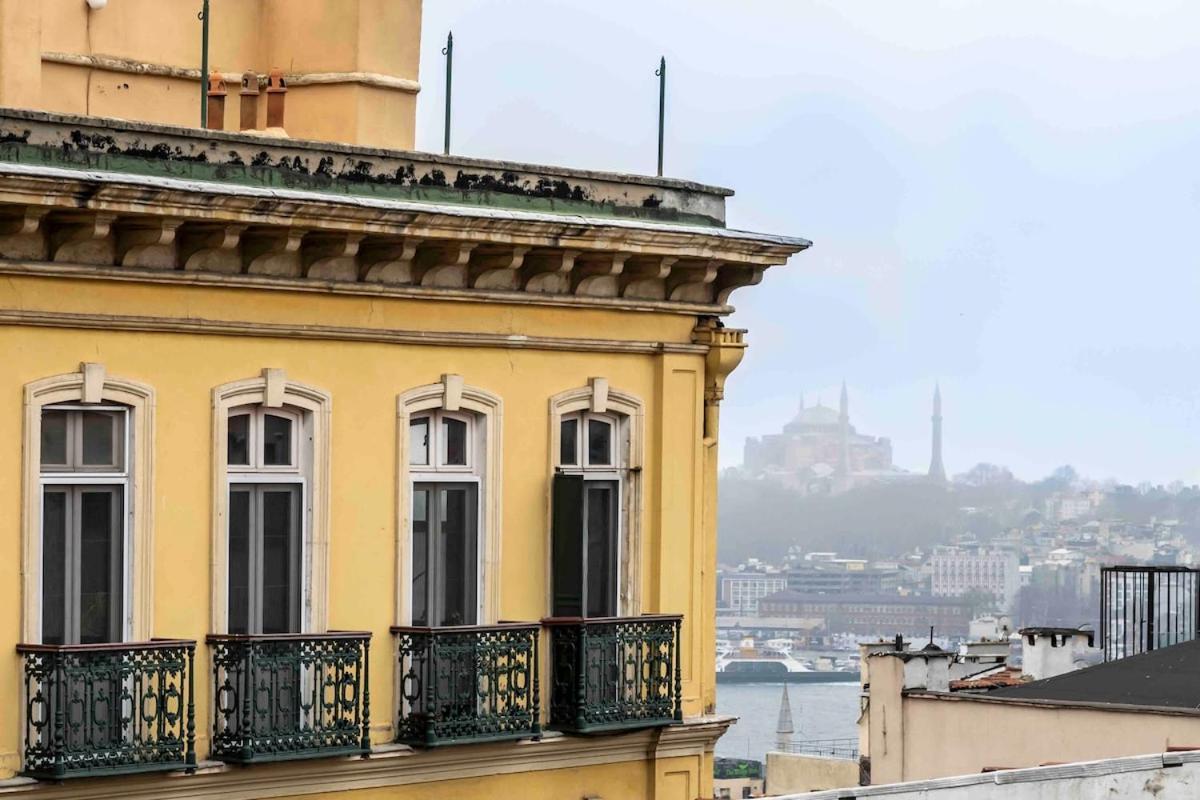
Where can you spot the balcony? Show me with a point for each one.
(615, 673)
(288, 696)
(468, 684)
(1143, 608)
(108, 709)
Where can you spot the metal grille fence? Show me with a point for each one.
(1145, 608)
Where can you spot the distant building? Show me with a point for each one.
(819, 451)
(740, 591)
(879, 615)
(958, 570)
(842, 577)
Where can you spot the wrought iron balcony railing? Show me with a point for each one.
(1145, 607)
(615, 672)
(107, 709)
(287, 696)
(468, 684)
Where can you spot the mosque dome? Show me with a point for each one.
(817, 416)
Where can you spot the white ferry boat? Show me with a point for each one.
(771, 662)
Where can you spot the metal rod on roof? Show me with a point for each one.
(661, 72)
(204, 65)
(448, 52)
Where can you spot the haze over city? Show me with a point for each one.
(1001, 201)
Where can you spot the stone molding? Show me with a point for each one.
(391, 766)
(191, 228)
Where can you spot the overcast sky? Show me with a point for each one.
(1002, 196)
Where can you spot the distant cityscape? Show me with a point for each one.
(1029, 554)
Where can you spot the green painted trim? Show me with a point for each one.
(278, 176)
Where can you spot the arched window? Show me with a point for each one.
(596, 442)
(443, 456)
(87, 511)
(449, 505)
(271, 506)
(268, 463)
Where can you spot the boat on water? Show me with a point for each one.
(773, 662)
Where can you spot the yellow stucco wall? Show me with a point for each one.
(364, 379)
(378, 37)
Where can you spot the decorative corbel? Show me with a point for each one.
(548, 271)
(388, 261)
(21, 234)
(82, 238)
(331, 257)
(147, 242)
(273, 251)
(645, 277)
(732, 277)
(211, 247)
(691, 282)
(726, 346)
(497, 269)
(443, 265)
(598, 274)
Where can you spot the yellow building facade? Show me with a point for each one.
(343, 471)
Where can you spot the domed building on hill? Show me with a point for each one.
(820, 451)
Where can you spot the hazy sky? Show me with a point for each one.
(1003, 197)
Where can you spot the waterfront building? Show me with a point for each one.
(321, 451)
(957, 570)
(872, 615)
(741, 590)
(843, 577)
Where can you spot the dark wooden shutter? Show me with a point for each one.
(566, 546)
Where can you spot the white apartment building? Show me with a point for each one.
(956, 571)
(741, 591)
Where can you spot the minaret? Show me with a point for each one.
(783, 728)
(937, 471)
(844, 432)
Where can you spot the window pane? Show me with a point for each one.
(420, 557)
(99, 566)
(601, 550)
(568, 446)
(238, 450)
(418, 441)
(239, 561)
(281, 563)
(100, 445)
(454, 432)
(599, 442)
(457, 544)
(54, 561)
(277, 441)
(54, 438)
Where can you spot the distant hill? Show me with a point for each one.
(762, 519)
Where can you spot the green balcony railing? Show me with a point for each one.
(107, 709)
(468, 684)
(615, 672)
(287, 696)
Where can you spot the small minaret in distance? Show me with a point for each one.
(937, 471)
(784, 729)
(844, 432)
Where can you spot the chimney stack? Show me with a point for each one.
(249, 101)
(276, 95)
(216, 101)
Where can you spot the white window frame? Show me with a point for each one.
(276, 395)
(119, 477)
(258, 415)
(486, 413)
(598, 399)
(92, 386)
